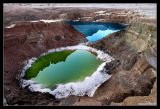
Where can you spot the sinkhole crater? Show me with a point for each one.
(75, 70)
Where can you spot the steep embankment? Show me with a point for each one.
(135, 48)
(26, 40)
(133, 82)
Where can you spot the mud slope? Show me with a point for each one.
(137, 52)
(27, 40)
(133, 81)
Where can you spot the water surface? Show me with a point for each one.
(94, 31)
(76, 67)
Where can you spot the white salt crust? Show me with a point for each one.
(86, 87)
(45, 21)
(11, 26)
(48, 21)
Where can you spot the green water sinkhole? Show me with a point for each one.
(62, 67)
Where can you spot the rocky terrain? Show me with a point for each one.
(134, 74)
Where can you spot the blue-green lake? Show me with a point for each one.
(94, 31)
(76, 67)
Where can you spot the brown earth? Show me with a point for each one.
(28, 40)
(136, 75)
(132, 81)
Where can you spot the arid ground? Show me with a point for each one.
(133, 80)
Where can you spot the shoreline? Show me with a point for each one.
(67, 89)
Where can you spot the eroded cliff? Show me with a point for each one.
(133, 78)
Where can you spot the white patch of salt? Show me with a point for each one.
(11, 26)
(100, 12)
(48, 21)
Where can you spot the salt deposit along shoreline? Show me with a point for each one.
(86, 87)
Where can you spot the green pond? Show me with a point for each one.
(62, 67)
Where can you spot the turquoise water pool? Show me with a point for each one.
(94, 31)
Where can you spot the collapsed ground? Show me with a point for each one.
(133, 80)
